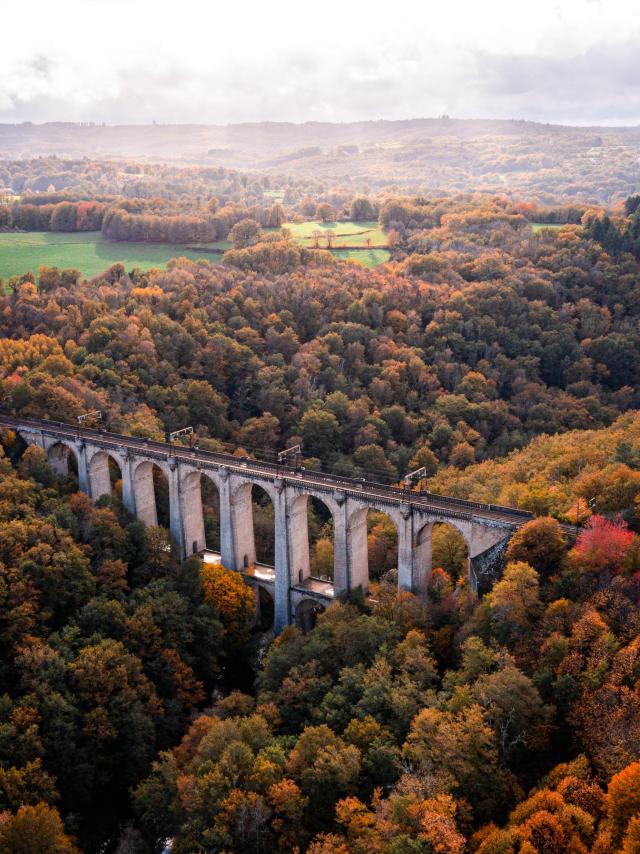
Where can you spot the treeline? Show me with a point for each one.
(129, 178)
(407, 214)
(60, 216)
(58, 180)
(139, 220)
(158, 203)
(155, 221)
(618, 235)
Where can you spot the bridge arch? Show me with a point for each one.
(211, 510)
(313, 515)
(105, 473)
(442, 543)
(450, 549)
(248, 483)
(322, 540)
(63, 458)
(364, 544)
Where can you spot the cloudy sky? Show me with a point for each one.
(134, 61)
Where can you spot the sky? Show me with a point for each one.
(137, 61)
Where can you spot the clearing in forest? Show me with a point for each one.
(346, 234)
(26, 252)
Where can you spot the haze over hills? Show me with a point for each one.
(597, 164)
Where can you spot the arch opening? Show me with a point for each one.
(449, 550)
(321, 539)
(307, 613)
(442, 558)
(105, 476)
(266, 610)
(264, 529)
(210, 498)
(373, 548)
(63, 461)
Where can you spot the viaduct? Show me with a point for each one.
(486, 528)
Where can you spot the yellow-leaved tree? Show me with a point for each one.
(225, 591)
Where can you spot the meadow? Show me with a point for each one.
(87, 252)
(24, 252)
(345, 233)
(538, 226)
(368, 257)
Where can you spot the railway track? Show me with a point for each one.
(426, 501)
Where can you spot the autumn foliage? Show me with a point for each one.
(502, 360)
(233, 600)
(604, 544)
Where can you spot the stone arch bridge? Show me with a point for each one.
(486, 528)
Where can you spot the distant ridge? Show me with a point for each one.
(552, 162)
(257, 140)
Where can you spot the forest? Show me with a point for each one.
(549, 163)
(499, 349)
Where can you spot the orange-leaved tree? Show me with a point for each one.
(225, 591)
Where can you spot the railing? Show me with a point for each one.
(440, 505)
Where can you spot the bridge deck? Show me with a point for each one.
(393, 495)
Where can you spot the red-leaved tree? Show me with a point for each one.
(603, 544)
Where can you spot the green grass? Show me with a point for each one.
(368, 257)
(87, 252)
(346, 233)
(537, 226)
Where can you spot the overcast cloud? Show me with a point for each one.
(134, 61)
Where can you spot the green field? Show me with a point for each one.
(537, 226)
(346, 233)
(87, 252)
(368, 257)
